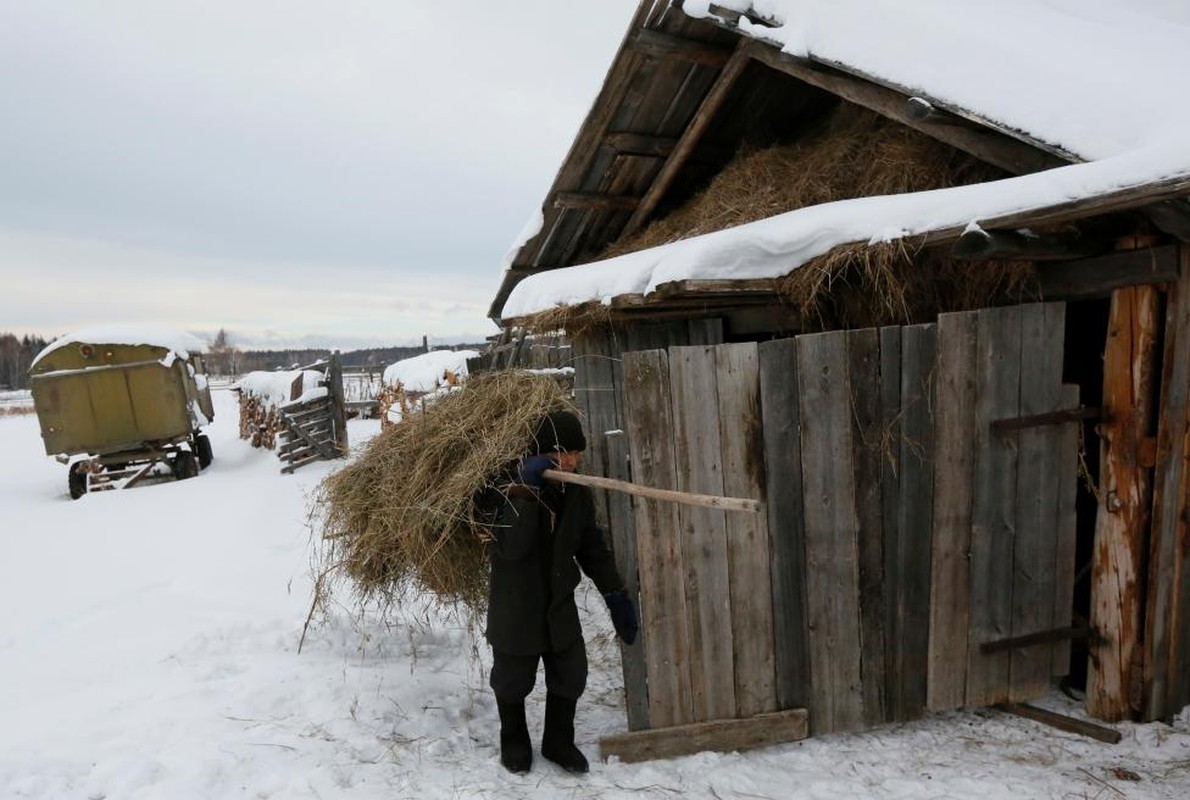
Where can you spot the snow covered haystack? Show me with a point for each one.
(420, 380)
(414, 506)
(263, 393)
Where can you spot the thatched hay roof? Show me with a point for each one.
(853, 153)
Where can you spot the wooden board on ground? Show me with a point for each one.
(726, 735)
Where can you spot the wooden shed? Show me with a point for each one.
(965, 501)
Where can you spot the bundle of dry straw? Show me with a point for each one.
(415, 504)
(855, 153)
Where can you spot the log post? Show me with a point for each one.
(1125, 496)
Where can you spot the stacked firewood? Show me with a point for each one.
(259, 421)
(403, 401)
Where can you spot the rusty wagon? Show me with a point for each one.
(117, 404)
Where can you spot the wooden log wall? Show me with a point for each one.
(1166, 679)
(875, 586)
(1115, 674)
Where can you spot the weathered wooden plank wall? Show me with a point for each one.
(783, 473)
(664, 621)
(1035, 547)
(737, 377)
(599, 393)
(832, 531)
(950, 568)
(704, 531)
(993, 519)
(1167, 615)
(867, 590)
(908, 586)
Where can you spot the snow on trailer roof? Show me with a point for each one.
(1094, 79)
(178, 342)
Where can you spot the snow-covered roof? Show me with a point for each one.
(1096, 80)
(424, 373)
(179, 342)
(274, 388)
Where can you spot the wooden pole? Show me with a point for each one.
(1063, 723)
(669, 495)
(1125, 493)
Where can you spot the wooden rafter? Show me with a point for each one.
(1008, 153)
(597, 202)
(657, 44)
(640, 144)
(689, 140)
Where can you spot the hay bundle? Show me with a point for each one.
(415, 504)
(855, 153)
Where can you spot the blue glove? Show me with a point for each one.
(623, 615)
(533, 467)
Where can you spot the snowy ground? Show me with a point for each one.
(148, 649)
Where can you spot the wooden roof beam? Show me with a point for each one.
(596, 202)
(689, 140)
(666, 46)
(1010, 154)
(988, 245)
(640, 144)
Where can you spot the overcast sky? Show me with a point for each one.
(343, 174)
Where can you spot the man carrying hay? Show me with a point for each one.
(544, 534)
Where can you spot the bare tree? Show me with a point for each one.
(222, 355)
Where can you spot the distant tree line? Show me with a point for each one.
(378, 357)
(223, 357)
(15, 357)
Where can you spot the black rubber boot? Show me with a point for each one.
(557, 741)
(516, 751)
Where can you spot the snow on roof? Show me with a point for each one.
(1094, 77)
(275, 388)
(179, 342)
(424, 373)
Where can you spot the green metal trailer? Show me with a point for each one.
(119, 407)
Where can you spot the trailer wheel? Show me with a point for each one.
(185, 465)
(77, 479)
(202, 448)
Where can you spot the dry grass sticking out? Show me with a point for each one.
(411, 507)
(889, 283)
(855, 153)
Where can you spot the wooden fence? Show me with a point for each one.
(917, 550)
(315, 430)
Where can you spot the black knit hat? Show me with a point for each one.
(559, 431)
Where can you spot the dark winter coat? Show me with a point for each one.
(541, 541)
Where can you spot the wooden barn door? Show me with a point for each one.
(920, 518)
